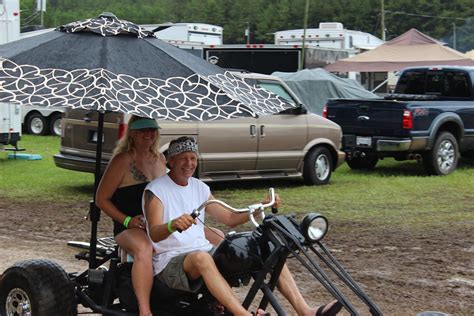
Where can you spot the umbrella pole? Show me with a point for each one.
(93, 209)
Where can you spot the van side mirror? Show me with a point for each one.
(302, 109)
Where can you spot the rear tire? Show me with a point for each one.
(55, 124)
(443, 158)
(36, 124)
(317, 167)
(359, 163)
(36, 287)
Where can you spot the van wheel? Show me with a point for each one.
(36, 124)
(359, 163)
(443, 158)
(55, 124)
(317, 167)
(36, 287)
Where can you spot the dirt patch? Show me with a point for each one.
(403, 272)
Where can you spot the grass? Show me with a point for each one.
(396, 193)
(41, 179)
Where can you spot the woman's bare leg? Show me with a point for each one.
(136, 242)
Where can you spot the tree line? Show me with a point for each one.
(441, 19)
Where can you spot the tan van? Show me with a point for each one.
(292, 143)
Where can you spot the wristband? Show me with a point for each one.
(170, 230)
(126, 221)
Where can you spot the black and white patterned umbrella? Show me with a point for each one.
(108, 64)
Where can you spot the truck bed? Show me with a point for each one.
(368, 117)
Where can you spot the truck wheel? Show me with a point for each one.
(55, 124)
(36, 287)
(359, 163)
(36, 124)
(317, 167)
(442, 159)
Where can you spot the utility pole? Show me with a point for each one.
(454, 35)
(42, 20)
(305, 26)
(382, 18)
(41, 7)
(247, 32)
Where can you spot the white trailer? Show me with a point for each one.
(10, 114)
(9, 21)
(10, 124)
(189, 33)
(329, 35)
(36, 120)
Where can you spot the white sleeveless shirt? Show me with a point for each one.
(178, 200)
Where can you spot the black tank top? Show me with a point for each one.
(129, 201)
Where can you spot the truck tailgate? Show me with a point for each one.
(367, 117)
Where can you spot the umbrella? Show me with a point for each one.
(107, 64)
(110, 64)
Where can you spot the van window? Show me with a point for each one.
(278, 90)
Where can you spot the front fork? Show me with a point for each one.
(275, 262)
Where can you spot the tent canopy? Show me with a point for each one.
(315, 86)
(412, 48)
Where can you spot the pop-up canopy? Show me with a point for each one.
(412, 48)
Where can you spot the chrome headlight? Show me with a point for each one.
(313, 227)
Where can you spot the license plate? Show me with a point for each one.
(363, 141)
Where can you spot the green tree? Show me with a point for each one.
(433, 17)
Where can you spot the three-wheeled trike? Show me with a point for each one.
(251, 258)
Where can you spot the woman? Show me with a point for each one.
(136, 161)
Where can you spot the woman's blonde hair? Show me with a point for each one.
(125, 144)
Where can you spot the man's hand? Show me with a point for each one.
(183, 222)
(277, 200)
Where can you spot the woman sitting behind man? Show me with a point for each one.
(135, 162)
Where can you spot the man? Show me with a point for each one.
(182, 259)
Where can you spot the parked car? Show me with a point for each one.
(38, 120)
(292, 143)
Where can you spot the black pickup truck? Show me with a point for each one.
(429, 117)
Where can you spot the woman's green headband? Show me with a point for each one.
(143, 123)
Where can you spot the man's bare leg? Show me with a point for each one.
(201, 264)
(287, 286)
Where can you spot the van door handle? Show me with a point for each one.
(262, 131)
(253, 131)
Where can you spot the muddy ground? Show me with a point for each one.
(404, 273)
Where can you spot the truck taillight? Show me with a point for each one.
(407, 121)
(325, 112)
(122, 130)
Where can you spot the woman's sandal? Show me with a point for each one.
(332, 311)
